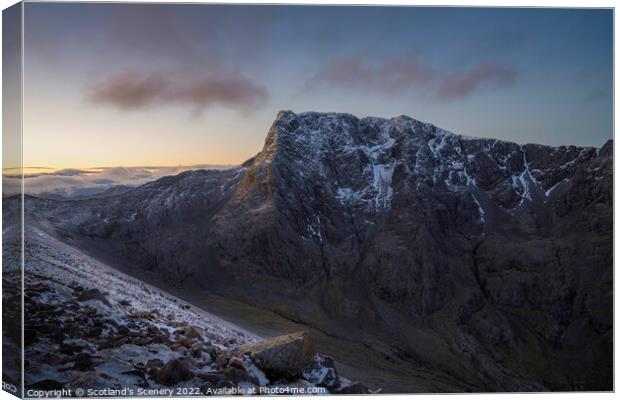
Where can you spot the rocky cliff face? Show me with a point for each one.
(486, 260)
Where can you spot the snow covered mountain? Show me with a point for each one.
(484, 261)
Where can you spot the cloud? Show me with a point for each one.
(135, 90)
(90, 181)
(391, 77)
(397, 76)
(459, 85)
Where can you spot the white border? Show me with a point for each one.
(474, 3)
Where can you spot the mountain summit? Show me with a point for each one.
(465, 264)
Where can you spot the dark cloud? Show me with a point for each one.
(135, 90)
(401, 76)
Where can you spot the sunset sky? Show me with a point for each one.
(145, 84)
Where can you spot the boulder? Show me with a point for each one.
(282, 357)
(175, 371)
(324, 373)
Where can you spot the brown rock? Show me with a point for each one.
(185, 342)
(194, 332)
(173, 372)
(237, 363)
(282, 357)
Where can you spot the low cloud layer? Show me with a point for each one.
(72, 182)
(401, 76)
(135, 90)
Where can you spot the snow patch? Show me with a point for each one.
(316, 231)
(382, 183)
(552, 188)
(481, 211)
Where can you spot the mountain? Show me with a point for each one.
(477, 264)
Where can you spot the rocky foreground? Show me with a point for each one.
(90, 327)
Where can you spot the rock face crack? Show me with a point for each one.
(476, 272)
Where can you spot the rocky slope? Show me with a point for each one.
(486, 260)
(92, 328)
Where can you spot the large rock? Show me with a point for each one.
(324, 373)
(175, 371)
(282, 357)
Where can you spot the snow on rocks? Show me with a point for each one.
(89, 326)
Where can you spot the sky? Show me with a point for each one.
(108, 85)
